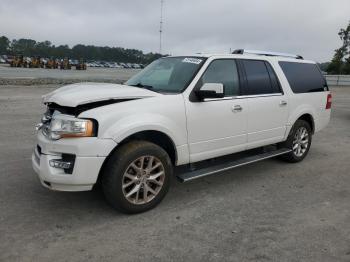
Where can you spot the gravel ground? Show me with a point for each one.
(267, 211)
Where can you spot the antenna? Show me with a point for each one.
(161, 26)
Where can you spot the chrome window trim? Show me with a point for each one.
(261, 95)
(200, 75)
(242, 97)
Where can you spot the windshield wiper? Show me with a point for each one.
(143, 86)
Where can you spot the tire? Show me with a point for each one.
(297, 142)
(124, 182)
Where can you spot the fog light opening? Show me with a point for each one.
(58, 163)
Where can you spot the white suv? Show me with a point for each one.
(175, 115)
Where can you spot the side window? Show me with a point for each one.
(258, 78)
(304, 77)
(223, 71)
(276, 88)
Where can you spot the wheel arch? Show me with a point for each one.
(154, 136)
(309, 119)
(305, 113)
(157, 137)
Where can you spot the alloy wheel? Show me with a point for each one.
(300, 142)
(143, 180)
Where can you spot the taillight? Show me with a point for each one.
(329, 101)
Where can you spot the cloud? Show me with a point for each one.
(308, 27)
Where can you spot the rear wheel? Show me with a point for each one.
(137, 176)
(299, 141)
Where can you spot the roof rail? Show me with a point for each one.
(266, 53)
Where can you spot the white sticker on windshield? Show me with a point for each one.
(192, 60)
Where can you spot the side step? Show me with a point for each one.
(214, 168)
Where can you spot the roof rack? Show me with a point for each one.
(266, 53)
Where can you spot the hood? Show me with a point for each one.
(84, 93)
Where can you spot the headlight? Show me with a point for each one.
(67, 126)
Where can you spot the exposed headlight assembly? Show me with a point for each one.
(62, 126)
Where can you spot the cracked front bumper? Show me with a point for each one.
(90, 154)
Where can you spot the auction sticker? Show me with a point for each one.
(192, 60)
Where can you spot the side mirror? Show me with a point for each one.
(210, 90)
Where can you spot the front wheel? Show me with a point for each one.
(137, 177)
(299, 141)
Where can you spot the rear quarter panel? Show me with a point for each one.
(313, 103)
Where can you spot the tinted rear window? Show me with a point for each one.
(304, 78)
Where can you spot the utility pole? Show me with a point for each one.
(161, 26)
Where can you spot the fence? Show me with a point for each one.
(338, 80)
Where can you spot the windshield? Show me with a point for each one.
(170, 74)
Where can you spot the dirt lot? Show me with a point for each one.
(268, 211)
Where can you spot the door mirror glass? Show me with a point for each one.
(211, 90)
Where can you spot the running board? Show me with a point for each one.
(217, 168)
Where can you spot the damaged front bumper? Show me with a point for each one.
(85, 155)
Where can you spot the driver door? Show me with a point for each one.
(217, 126)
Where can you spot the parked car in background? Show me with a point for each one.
(136, 66)
(8, 58)
(73, 62)
(96, 64)
(115, 65)
(43, 61)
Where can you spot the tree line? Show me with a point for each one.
(340, 63)
(30, 47)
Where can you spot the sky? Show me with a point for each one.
(305, 27)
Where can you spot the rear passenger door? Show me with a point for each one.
(267, 105)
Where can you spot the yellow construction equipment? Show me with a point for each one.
(65, 64)
(51, 64)
(18, 61)
(81, 65)
(35, 62)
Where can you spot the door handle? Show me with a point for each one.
(283, 103)
(236, 109)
